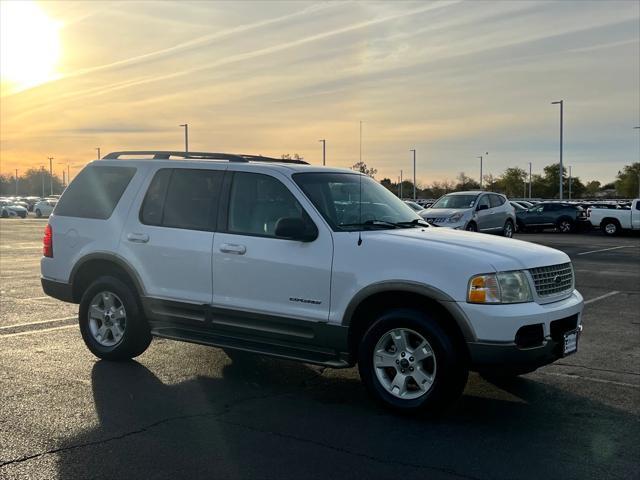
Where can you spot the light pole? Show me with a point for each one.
(98, 150)
(50, 174)
(561, 103)
(480, 157)
(64, 182)
(569, 182)
(324, 151)
(186, 138)
(414, 173)
(360, 141)
(529, 180)
(42, 177)
(638, 128)
(16, 182)
(401, 180)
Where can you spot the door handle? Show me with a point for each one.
(233, 248)
(138, 237)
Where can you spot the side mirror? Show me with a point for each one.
(295, 228)
(483, 207)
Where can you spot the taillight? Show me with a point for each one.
(47, 242)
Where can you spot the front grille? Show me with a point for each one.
(436, 219)
(552, 280)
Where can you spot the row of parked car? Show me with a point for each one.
(490, 212)
(19, 207)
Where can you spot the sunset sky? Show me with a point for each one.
(452, 79)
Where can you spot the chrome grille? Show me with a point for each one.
(553, 280)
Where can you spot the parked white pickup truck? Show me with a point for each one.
(611, 222)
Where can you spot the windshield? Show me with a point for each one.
(337, 198)
(455, 201)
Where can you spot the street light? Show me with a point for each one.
(569, 182)
(186, 138)
(324, 151)
(64, 182)
(98, 150)
(529, 180)
(401, 180)
(638, 128)
(414, 173)
(561, 103)
(480, 157)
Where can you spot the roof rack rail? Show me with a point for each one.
(231, 157)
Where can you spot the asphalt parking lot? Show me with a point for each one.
(188, 411)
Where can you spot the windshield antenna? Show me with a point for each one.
(360, 196)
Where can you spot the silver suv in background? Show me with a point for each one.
(474, 211)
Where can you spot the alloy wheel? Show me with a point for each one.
(107, 319)
(404, 363)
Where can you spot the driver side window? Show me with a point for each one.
(257, 202)
(484, 200)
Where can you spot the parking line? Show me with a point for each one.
(592, 379)
(19, 325)
(37, 331)
(604, 250)
(601, 297)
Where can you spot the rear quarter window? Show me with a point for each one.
(95, 192)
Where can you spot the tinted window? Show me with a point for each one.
(257, 202)
(183, 198)
(496, 200)
(637, 205)
(455, 201)
(484, 200)
(95, 192)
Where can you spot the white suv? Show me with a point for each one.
(314, 264)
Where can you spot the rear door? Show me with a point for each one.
(498, 212)
(635, 215)
(168, 239)
(260, 276)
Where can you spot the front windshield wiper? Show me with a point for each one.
(418, 222)
(371, 223)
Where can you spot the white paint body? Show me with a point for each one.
(628, 219)
(193, 266)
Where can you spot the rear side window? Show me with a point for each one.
(95, 192)
(183, 198)
(496, 200)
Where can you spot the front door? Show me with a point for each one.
(265, 278)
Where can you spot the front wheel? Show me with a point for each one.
(471, 227)
(565, 225)
(507, 230)
(111, 323)
(408, 362)
(38, 213)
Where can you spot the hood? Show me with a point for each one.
(16, 208)
(441, 212)
(501, 253)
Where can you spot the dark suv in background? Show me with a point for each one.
(564, 217)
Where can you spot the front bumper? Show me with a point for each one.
(498, 331)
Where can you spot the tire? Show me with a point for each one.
(121, 340)
(38, 213)
(610, 228)
(564, 225)
(507, 230)
(471, 227)
(444, 367)
(5, 214)
(521, 228)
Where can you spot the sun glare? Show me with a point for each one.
(30, 45)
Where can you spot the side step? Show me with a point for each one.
(308, 354)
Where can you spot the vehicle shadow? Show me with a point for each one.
(266, 418)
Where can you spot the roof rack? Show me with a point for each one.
(231, 157)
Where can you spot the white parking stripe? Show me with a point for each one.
(19, 325)
(604, 250)
(601, 297)
(30, 332)
(591, 379)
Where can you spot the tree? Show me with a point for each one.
(362, 168)
(490, 182)
(466, 183)
(592, 187)
(288, 156)
(31, 183)
(512, 181)
(626, 183)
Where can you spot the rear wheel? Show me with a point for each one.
(408, 362)
(610, 227)
(111, 323)
(507, 230)
(38, 213)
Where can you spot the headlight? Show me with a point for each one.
(455, 218)
(503, 287)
